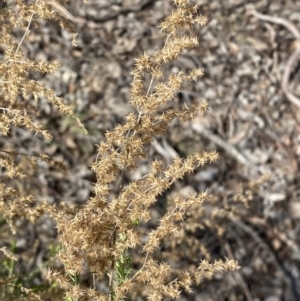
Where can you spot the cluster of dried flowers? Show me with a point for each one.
(16, 94)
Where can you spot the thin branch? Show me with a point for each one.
(25, 33)
(276, 20)
(27, 155)
(293, 58)
(286, 275)
(112, 267)
(94, 22)
(239, 274)
(286, 75)
(144, 264)
(223, 144)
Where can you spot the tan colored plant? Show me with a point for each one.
(104, 235)
(101, 233)
(16, 93)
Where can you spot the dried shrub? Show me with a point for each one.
(107, 235)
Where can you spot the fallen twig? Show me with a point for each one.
(223, 144)
(292, 291)
(293, 58)
(95, 21)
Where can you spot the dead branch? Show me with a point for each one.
(231, 150)
(94, 22)
(293, 58)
